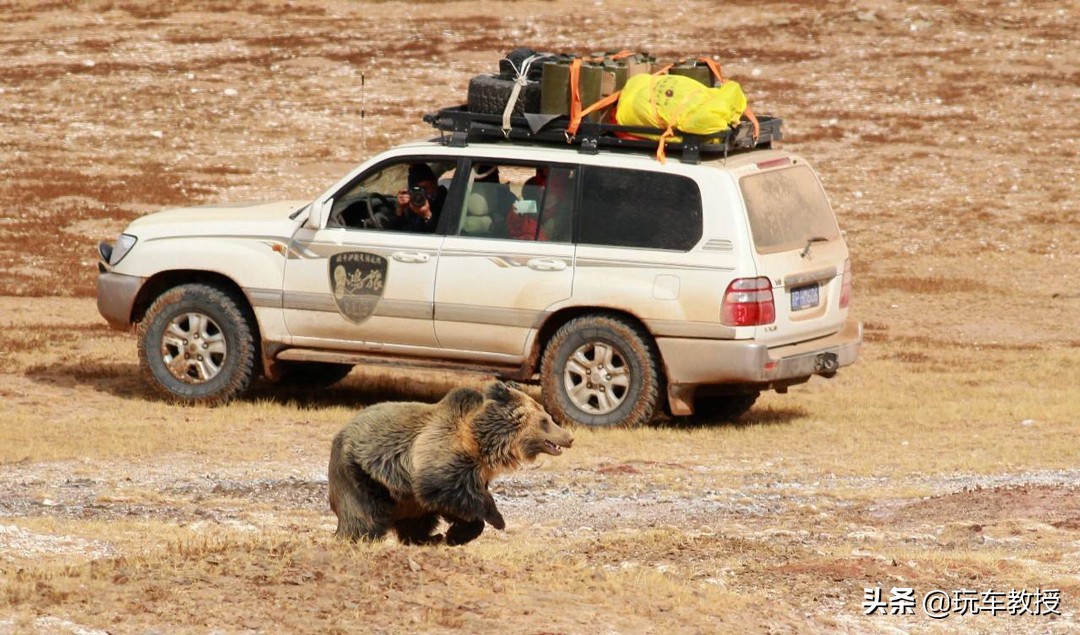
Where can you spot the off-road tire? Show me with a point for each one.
(637, 389)
(311, 374)
(723, 408)
(489, 93)
(212, 317)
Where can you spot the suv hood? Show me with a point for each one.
(260, 218)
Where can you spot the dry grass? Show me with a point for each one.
(815, 495)
(1004, 405)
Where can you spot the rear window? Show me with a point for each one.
(635, 208)
(787, 208)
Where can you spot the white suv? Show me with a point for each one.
(620, 283)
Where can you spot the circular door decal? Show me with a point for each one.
(357, 279)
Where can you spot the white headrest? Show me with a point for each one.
(477, 205)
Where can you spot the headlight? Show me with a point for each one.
(123, 245)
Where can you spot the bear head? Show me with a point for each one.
(512, 428)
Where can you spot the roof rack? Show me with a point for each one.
(465, 126)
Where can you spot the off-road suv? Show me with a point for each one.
(621, 284)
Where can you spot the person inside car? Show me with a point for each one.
(419, 205)
(555, 216)
(544, 211)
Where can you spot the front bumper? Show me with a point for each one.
(693, 362)
(116, 295)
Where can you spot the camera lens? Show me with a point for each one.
(417, 197)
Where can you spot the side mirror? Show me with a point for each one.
(322, 214)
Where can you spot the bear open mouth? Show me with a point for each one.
(551, 448)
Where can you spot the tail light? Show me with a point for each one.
(846, 285)
(748, 302)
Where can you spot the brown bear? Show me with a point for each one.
(405, 465)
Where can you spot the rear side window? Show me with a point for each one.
(787, 208)
(633, 208)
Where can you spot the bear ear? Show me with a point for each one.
(500, 391)
(463, 400)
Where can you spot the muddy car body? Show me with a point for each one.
(685, 286)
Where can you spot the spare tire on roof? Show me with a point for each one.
(489, 94)
(515, 59)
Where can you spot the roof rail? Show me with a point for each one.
(463, 126)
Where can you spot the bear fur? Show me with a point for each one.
(406, 465)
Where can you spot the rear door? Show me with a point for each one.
(507, 260)
(798, 246)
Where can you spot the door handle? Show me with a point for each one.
(547, 264)
(410, 256)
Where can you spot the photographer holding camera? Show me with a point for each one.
(419, 205)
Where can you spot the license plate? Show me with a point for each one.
(804, 297)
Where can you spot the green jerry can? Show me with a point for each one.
(694, 70)
(555, 88)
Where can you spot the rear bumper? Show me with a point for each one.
(694, 362)
(116, 295)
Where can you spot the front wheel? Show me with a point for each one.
(601, 371)
(196, 345)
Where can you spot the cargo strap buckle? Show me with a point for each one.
(519, 83)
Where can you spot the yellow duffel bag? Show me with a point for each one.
(673, 102)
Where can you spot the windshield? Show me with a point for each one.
(787, 208)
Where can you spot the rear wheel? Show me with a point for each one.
(196, 345)
(601, 371)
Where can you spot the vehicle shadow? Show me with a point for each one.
(365, 386)
(362, 387)
(117, 379)
(350, 393)
(756, 417)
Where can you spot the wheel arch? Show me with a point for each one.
(161, 282)
(649, 395)
(556, 320)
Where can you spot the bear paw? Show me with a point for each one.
(495, 519)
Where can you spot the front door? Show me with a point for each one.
(366, 279)
(355, 290)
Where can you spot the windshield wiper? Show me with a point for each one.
(298, 212)
(816, 239)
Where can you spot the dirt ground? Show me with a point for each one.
(946, 133)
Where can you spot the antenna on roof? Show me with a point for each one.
(363, 127)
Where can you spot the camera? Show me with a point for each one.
(417, 197)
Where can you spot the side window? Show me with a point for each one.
(406, 195)
(636, 208)
(518, 202)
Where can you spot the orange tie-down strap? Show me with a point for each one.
(577, 113)
(714, 67)
(719, 75)
(674, 115)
